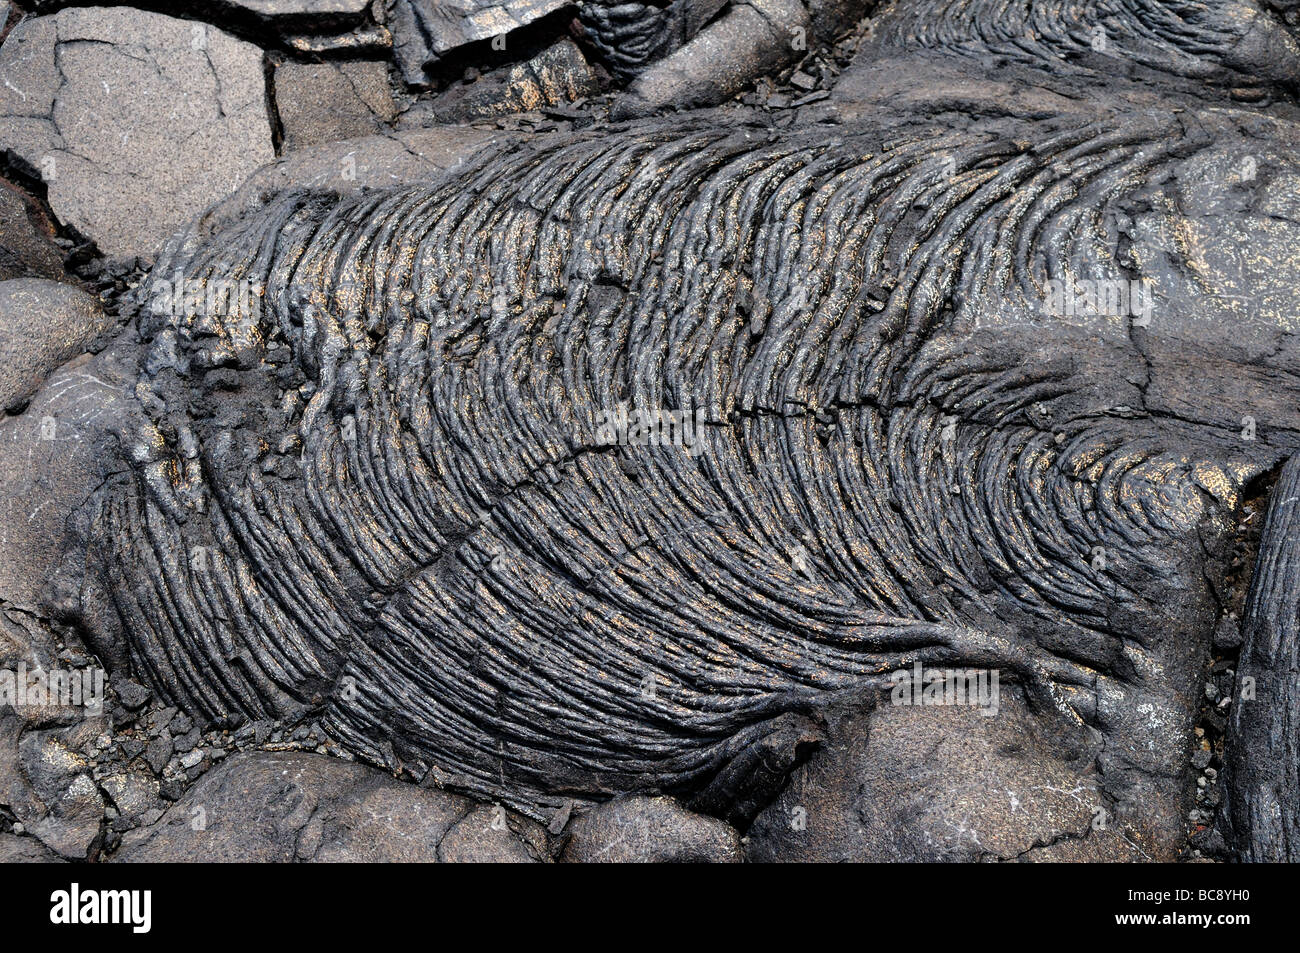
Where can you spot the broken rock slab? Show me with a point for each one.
(330, 12)
(299, 14)
(43, 324)
(650, 830)
(45, 780)
(285, 806)
(557, 76)
(135, 121)
(326, 102)
(425, 30)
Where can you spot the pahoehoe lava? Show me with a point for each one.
(398, 513)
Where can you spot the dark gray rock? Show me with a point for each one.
(46, 781)
(745, 42)
(42, 324)
(396, 158)
(281, 807)
(630, 36)
(489, 834)
(135, 121)
(133, 793)
(426, 30)
(325, 102)
(924, 464)
(277, 14)
(1229, 44)
(1261, 777)
(25, 850)
(868, 461)
(27, 248)
(52, 457)
(1227, 634)
(158, 752)
(649, 830)
(557, 76)
(947, 783)
(318, 11)
(131, 693)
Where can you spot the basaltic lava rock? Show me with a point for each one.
(973, 393)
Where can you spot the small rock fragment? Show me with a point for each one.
(556, 76)
(649, 830)
(426, 30)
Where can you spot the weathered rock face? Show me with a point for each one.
(426, 30)
(649, 831)
(274, 13)
(284, 807)
(27, 249)
(46, 782)
(401, 157)
(421, 518)
(556, 76)
(135, 121)
(24, 850)
(326, 102)
(957, 784)
(53, 456)
(43, 324)
(1263, 751)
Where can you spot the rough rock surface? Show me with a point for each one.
(378, 508)
(53, 456)
(1263, 749)
(1229, 43)
(557, 76)
(135, 121)
(326, 102)
(282, 807)
(917, 388)
(46, 782)
(401, 157)
(630, 36)
(749, 39)
(649, 830)
(904, 783)
(24, 850)
(425, 30)
(276, 13)
(305, 10)
(27, 248)
(42, 324)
